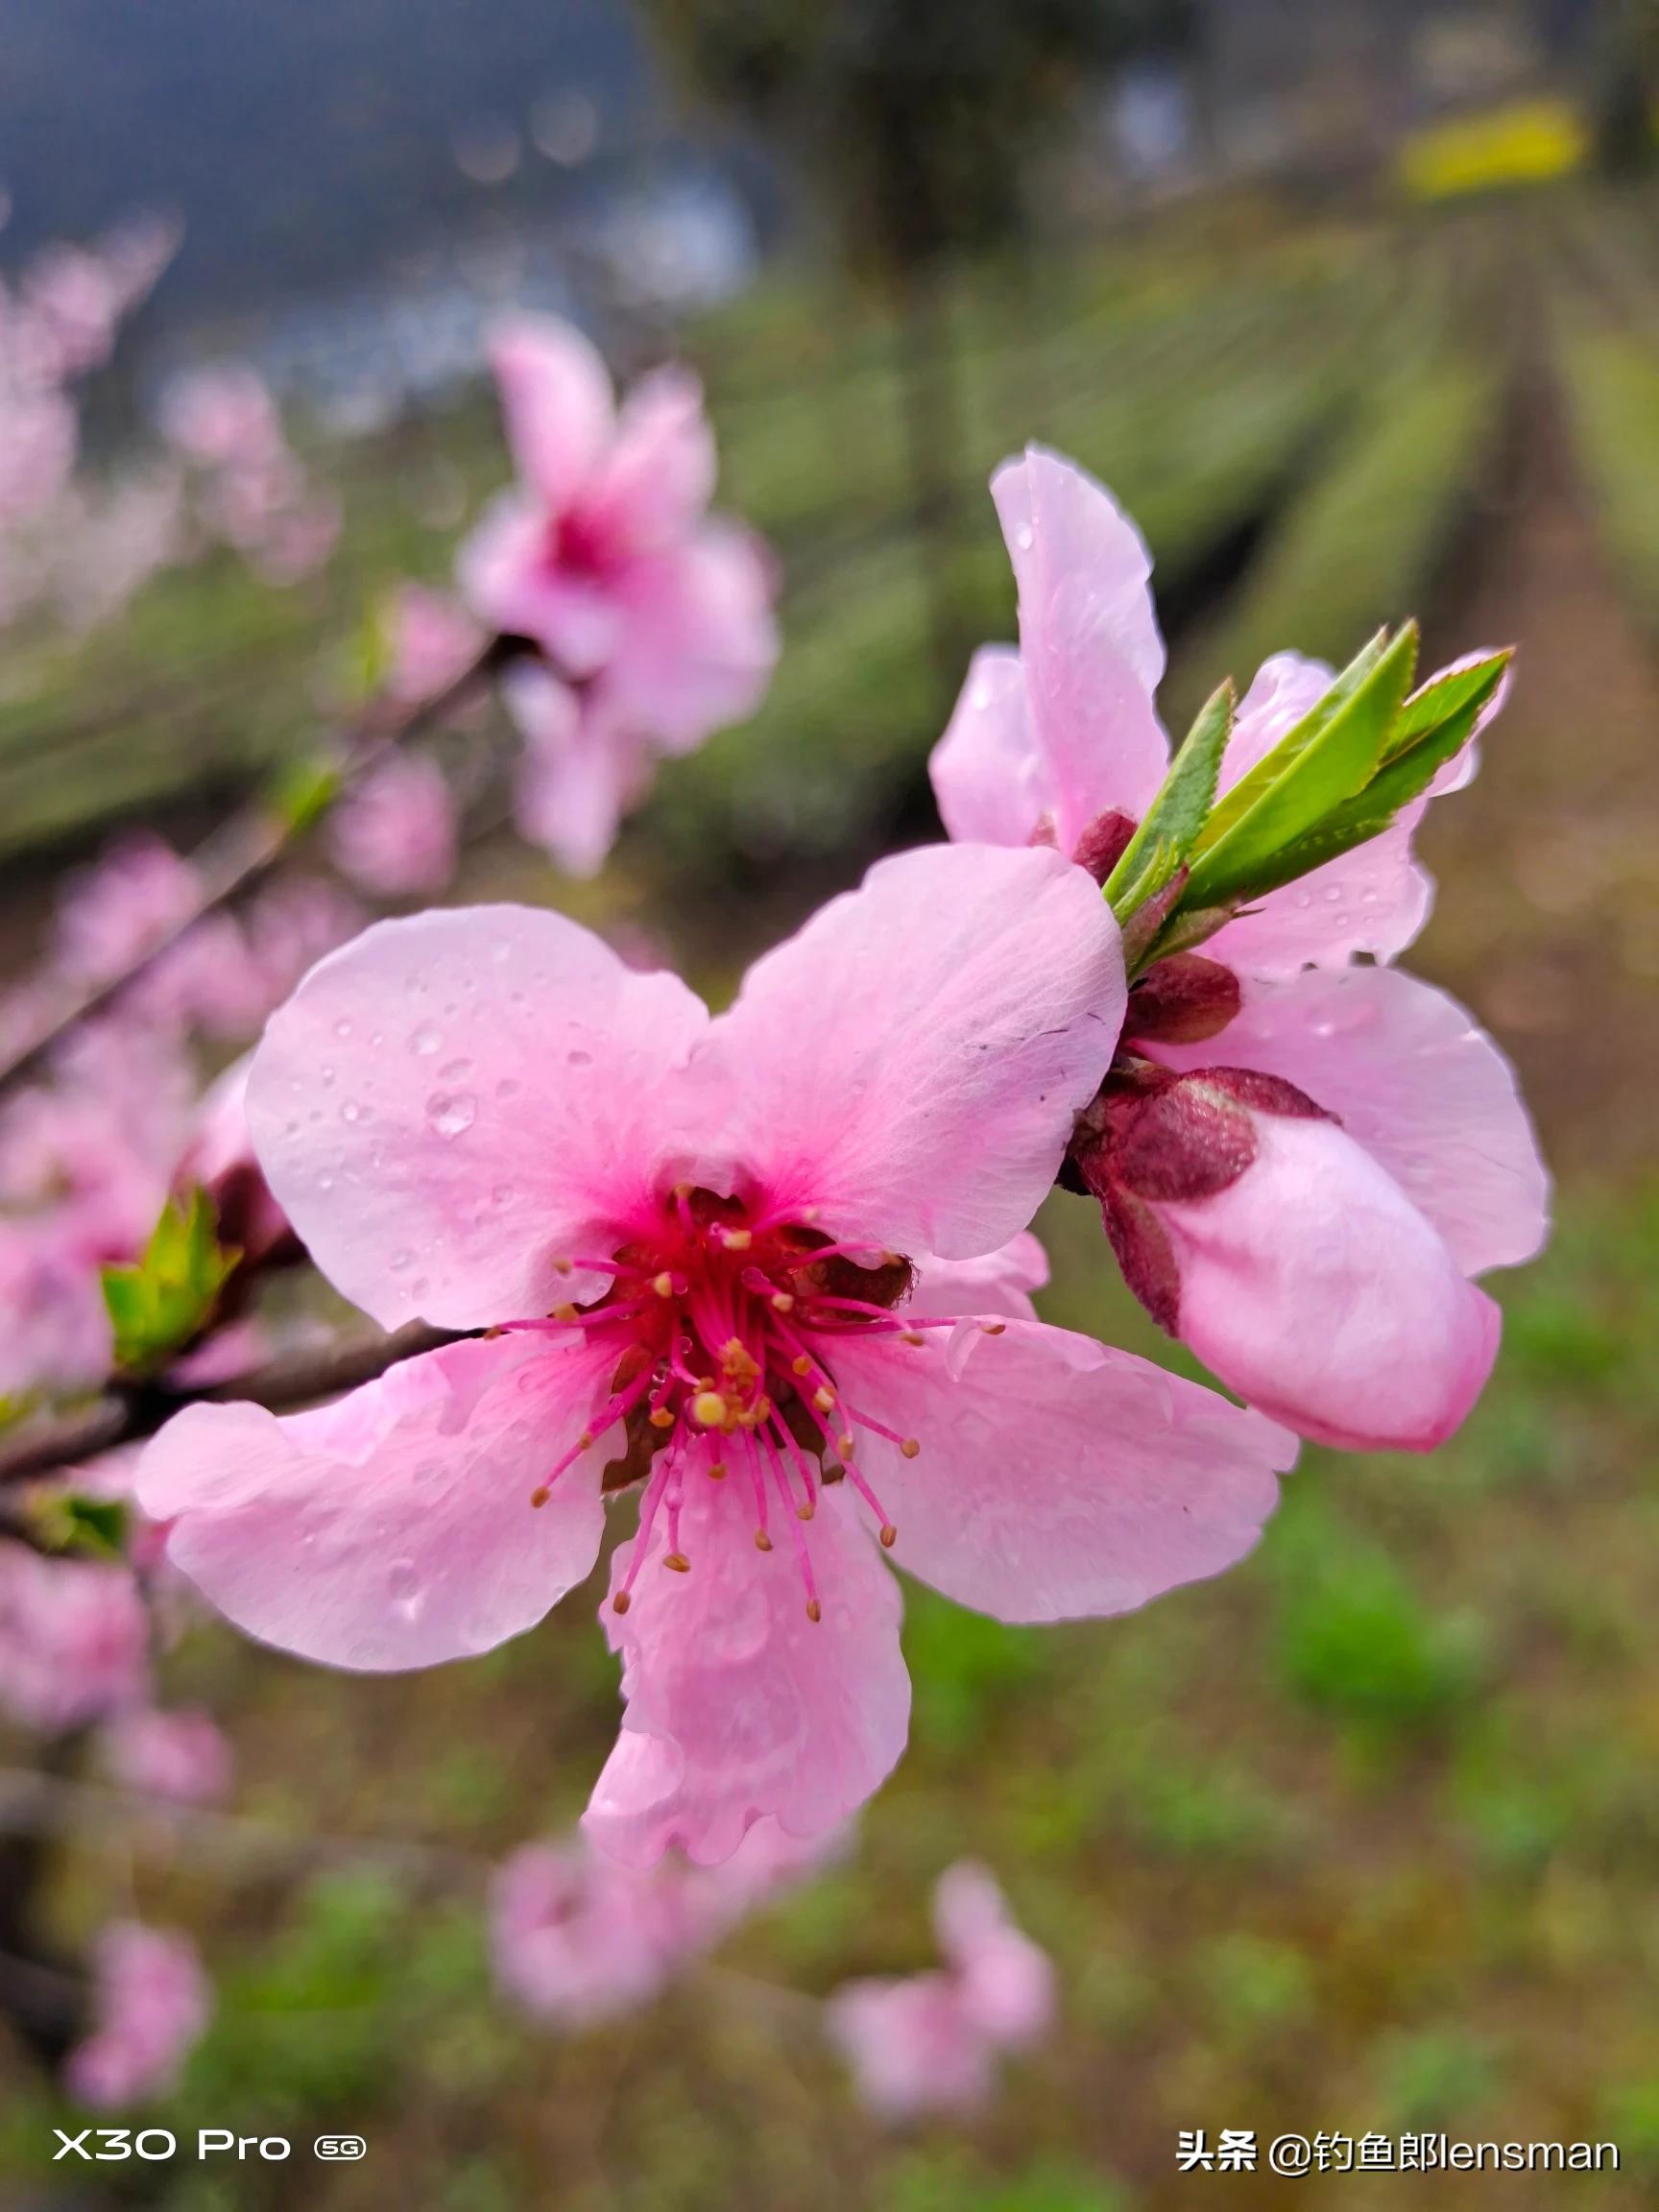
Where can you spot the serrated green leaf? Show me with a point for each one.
(1314, 774)
(1372, 810)
(1236, 804)
(160, 1303)
(1178, 813)
(1444, 696)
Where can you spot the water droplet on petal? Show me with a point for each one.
(452, 1070)
(577, 1057)
(452, 1113)
(426, 1040)
(343, 1027)
(350, 1111)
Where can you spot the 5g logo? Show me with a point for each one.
(340, 2147)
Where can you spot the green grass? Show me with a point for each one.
(1610, 382)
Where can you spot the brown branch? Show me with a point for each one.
(128, 1413)
(242, 852)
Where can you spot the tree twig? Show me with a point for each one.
(127, 1414)
(242, 852)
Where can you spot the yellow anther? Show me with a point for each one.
(585, 1439)
(737, 1240)
(909, 1447)
(621, 1601)
(763, 1542)
(993, 1328)
(541, 1494)
(708, 1409)
(782, 1302)
(911, 1336)
(823, 1397)
(889, 1534)
(663, 1285)
(677, 1563)
(565, 1313)
(807, 1511)
(661, 1417)
(801, 1367)
(716, 1471)
(844, 1445)
(560, 1266)
(814, 1611)
(491, 1335)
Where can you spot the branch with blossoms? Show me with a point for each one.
(769, 1274)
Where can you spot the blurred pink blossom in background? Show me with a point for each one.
(394, 833)
(178, 1755)
(152, 2001)
(930, 2043)
(577, 1938)
(74, 1639)
(656, 614)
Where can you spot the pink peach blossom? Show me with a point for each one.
(73, 1640)
(577, 1938)
(929, 2043)
(219, 1159)
(657, 613)
(396, 833)
(433, 641)
(482, 1115)
(1310, 1243)
(152, 2003)
(180, 1755)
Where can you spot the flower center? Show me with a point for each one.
(726, 1329)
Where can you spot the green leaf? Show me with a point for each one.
(1327, 759)
(1250, 787)
(1179, 813)
(1405, 777)
(163, 1301)
(1445, 696)
(90, 1528)
(304, 790)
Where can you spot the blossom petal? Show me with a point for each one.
(452, 1103)
(394, 1527)
(575, 779)
(911, 1064)
(658, 474)
(1418, 1084)
(1057, 1476)
(699, 641)
(503, 572)
(556, 400)
(1000, 1282)
(1087, 636)
(738, 1705)
(993, 785)
(1314, 1289)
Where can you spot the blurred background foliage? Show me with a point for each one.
(1356, 308)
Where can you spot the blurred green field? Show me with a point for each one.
(1362, 1835)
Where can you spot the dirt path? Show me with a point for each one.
(1548, 924)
